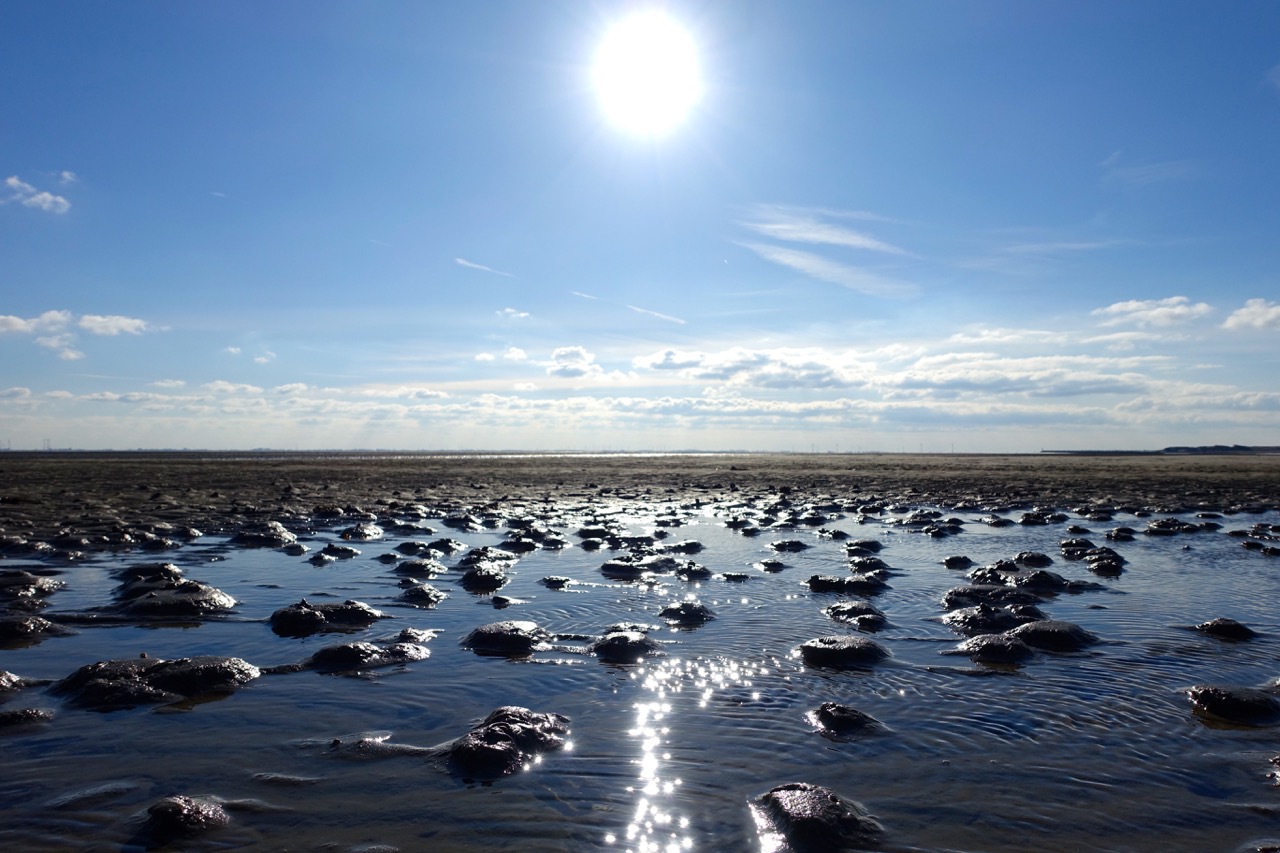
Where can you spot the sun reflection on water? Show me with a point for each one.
(675, 687)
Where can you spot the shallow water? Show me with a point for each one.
(1097, 750)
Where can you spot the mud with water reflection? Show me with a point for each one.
(1096, 749)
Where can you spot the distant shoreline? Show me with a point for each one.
(45, 493)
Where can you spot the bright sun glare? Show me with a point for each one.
(646, 74)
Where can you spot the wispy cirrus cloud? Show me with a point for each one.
(1256, 314)
(471, 265)
(833, 272)
(28, 196)
(1061, 247)
(657, 314)
(1116, 170)
(798, 225)
(1171, 311)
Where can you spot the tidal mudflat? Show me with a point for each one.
(639, 653)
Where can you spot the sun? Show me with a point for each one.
(646, 74)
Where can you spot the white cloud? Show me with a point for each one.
(232, 350)
(49, 321)
(169, 383)
(267, 357)
(485, 356)
(583, 295)
(805, 226)
(512, 314)
(666, 317)
(47, 202)
(525, 386)
(66, 176)
(291, 388)
(463, 262)
(1153, 312)
(221, 386)
(1123, 341)
(572, 363)
(670, 360)
(1256, 314)
(20, 187)
(112, 324)
(823, 269)
(28, 196)
(16, 393)
(63, 344)
(988, 337)
(515, 354)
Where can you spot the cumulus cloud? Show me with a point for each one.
(16, 393)
(66, 177)
(291, 388)
(47, 322)
(221, 386)
(824, 269)
(779, 368)
(572, 363)
(515, 354)
(266, 357)
(485, 356)
(1153, 312)
(525, 386)
(62, 344)
(512, 314)
(169, 383)
(112, 324)
(28, 196)
(232, 350)
(52, 332)
(670, 360)
(1256, 314)
(463, 262)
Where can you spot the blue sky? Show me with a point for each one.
(980, 226)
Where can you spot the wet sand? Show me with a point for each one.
(43, 494)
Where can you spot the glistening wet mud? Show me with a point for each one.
(1096, 748)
